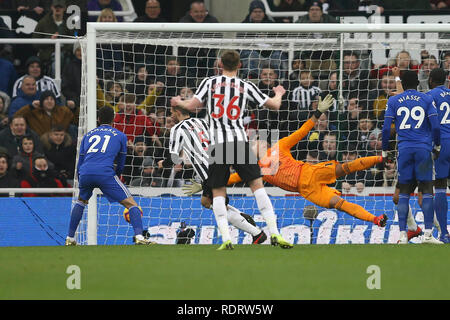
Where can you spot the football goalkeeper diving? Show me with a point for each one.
(311, 181)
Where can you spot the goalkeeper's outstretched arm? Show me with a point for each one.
(298, 135)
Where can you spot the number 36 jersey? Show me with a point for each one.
(100, 149)
(226, 99)
(411, 112)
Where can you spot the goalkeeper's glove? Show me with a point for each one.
(324, 105)
(190, 189)
(436, 151)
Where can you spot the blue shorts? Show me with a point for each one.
(414, 164)
(442, 163)
(111, 186)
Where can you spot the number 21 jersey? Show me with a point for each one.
(100, 148)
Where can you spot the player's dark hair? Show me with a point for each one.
(105, 115)
(438, 76)
(410, 80)
(230, 60)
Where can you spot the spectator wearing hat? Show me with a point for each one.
(53, 23)
(257, 13)
(252, 59)
(42, 176)
(318, 60)
(41, 115)
(26, 94)
(43, 82)
(316, 15)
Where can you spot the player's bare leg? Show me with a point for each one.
(75, 218)
(136, 220)
(220, 213)
(266, 209)
(239, 220)
(357, 211)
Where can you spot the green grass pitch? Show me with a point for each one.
(248, 272)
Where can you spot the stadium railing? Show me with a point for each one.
(56, 42)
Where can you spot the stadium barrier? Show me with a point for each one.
(56, 42)
(43, 221)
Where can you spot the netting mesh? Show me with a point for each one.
(138, 73)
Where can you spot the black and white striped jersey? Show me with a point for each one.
(43, 84)
(191, 136)
(304, 96)
(226, 99)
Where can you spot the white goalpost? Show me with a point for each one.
(115, 54)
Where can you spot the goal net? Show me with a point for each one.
(137, 68)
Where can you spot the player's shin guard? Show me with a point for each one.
(266, 209)
(441, 207)
(220, 212)
(402, 210)
(75, 217)
(361, 164)
(136, 220)
(428, 211)
(354, 210)
(235, 218)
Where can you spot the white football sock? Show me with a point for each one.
(140, 237)
(235, 218)
(266, 209)
(220, 212)
(412, 225)
(436, 225)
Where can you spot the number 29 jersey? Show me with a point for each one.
(100, 148)
(411, 111)
(226, 99)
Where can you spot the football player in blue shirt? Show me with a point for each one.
(101, 161)
(441, 96)
(417, 127)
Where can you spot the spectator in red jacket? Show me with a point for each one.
(41, 177)
(133, 122)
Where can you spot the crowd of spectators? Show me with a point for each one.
(39, 118)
